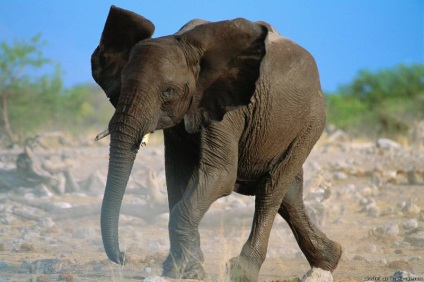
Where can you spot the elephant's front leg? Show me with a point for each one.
(214, 178)
(181, 162)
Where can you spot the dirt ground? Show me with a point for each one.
(369, 198)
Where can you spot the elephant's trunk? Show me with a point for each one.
(120, 166)
(129, 124)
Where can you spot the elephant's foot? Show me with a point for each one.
(327, 257)
(179, 269)
(240, 269)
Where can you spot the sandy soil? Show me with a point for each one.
(369, 206)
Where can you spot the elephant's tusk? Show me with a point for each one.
(145, 139)
(102, 135)
(105, 133)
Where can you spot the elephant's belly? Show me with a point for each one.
(247, 188)
(254, 164)
(256, 160)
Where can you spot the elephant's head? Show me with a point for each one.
(194, 76)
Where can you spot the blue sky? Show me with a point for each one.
(343, 36)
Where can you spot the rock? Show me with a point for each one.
(415, 259)
(62, 205)
(68, 277)
(46, 266)
(370, 207)
(370, 191)
(412, 177)
(358, 257)
(340, 175)
(400, 265)
(416, 238)
(26, 248)
(401, 204)
(156, 279)
(372, 248)
(147, 270)
(403, 245)
(317, 275)
(388, 145)
(317, 213)
(46, 222)
(411, 207)
(389, 230)
(83, 233)
(410, 224)
(3, 265)
(26, 265)
(374, 211)
(41, 278)
(338, 135)
(95, 183)
(403, 276)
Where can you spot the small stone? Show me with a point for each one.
(389, 230)
(399, 252)
(42, 278)
(358, 257)
(26, 265)
(410, 224)
(317, 275)
(383, 261)
(26, 248)
(416, 239)
(340, 175)
(415, 259)
(98, 267)
(67, 277)
(400, 265)
(410, 207)
(3, 265)
(387, 144)
(147, 270)
(401, 204)
(338, 136)
(370, 191)
(156, 279)
(83, 233)
(62, 205)
(404, 245)
(412, 178)
(46, 222)
(372, 248)
(374, 211)
(46, 266)
(402, 276)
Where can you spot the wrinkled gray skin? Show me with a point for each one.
(241, 108)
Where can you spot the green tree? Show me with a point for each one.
(382, 102)
(400, 82)
(85, 108)
(21, 91)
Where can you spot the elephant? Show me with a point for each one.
(240, 106)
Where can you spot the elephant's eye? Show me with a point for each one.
(169, 91)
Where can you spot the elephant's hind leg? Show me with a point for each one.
(320, 251)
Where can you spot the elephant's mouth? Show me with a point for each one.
(104, 133)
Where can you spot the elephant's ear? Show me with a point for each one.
(122, 30)
(227, 56)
